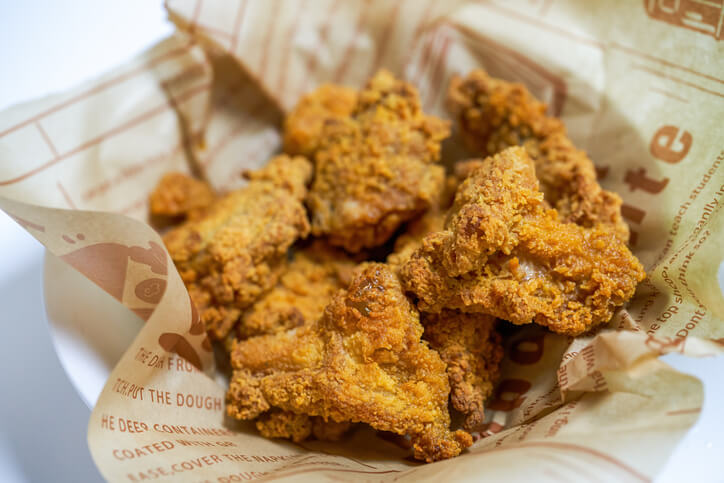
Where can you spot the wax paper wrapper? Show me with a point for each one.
(640, 86)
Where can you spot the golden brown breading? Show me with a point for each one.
(489, 204)
(472, 350)
(315, 274)
(375, 170)
(467, 343)
(178, 194)
(298, 427)
(290, 173)
(494, 114)
(503, 253)
(303, 125)
(238, 249)
(363, 361)
(284, 424)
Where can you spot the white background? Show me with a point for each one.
(49, 46)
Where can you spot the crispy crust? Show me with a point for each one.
(237, 250)
(493, 114)
(503, 253)
(304, 124)
(298, 427)
(374, 169)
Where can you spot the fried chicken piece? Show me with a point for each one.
(375, 169)
(315, 274)
(180, 195)
(238, 249)
(298, 427)
(362, 361)
(472, 350)
(505, 254)
(494, 114)
(304, 124)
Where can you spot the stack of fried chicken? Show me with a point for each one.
(288, 274)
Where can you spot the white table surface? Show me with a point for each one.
(48, 46)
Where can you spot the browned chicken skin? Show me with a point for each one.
(363, 361)
(493, 114)
(238, 249)
(505, 254)
(374, 169)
